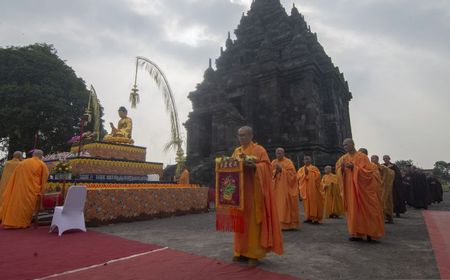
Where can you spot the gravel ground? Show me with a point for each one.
(313, 252)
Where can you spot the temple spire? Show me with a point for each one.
(229, 42)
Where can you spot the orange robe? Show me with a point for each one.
(184, 177)
(21, 193)
(311, 192)
(262, 232)
(333, 203)
(361, 196)
(286, 194)
(8, 170)
(387, 182)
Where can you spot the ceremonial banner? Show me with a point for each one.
(229, 195)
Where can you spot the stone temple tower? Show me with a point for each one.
(277, 78)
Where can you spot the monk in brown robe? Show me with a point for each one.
(8, 170)
(311, 191)
(262, 232)
(387, 181)
(333, 204)
(398, 191)
(359, 180)
(286, 191)
(22, 191)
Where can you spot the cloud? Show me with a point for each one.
(394, 55)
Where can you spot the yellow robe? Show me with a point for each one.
(387, 181)
(8, 170)
(21, 193)
(262, 231)
(311, 192)
(333, 199)
(286, 194)
(361, 196)
(122, 133)
(184, 177)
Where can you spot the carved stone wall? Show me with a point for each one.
(277, 78)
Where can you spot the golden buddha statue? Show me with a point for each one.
(121, 134)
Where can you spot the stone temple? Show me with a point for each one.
(277, 78)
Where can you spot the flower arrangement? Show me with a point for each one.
(231, 162)
(229, 187)
(62, 167)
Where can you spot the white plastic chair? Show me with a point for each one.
(70, 216)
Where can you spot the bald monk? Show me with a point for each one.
(387, 180)
(21, 193)
(333, 205)
(311, 191)
(359, 180)
(184, 176)
(8, 170)
(262, 232)
(286, 191)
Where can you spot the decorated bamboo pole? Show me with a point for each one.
(163, 84)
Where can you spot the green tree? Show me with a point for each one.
(442, 170)
(403, 164)
(40, 95)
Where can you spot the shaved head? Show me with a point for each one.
(349, 145)
(328, 169)
(245, 135)
(374, 159)
(387, 159)
(38, 153)
(279, 152)
(307, 160)
(364, 151)
(17, 154)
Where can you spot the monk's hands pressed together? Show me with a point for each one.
(306, 170)
(278, 168)
(349, 165)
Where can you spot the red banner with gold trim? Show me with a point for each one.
(229, 195)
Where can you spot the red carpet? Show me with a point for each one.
(173, 265)
(32, 253)
(438, 224)
(29, 254)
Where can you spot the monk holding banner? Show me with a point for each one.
(311, 191)
(22, 191)
(261, 232)
(359, 180)
(286, 191)
(8, 170)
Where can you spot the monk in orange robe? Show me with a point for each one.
(359, 180)
(311, 191)
(333, 205)
(286, 191)
(387, 182)
(262, 232)
(21, 193)
(184, 177)
(8, 170)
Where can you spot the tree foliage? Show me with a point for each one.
(442, 170)
(403, 164)
(40, 95)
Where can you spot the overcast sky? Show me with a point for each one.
(395, 54)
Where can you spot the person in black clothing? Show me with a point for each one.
(398, 192)
(420, 194)
(435, 189)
